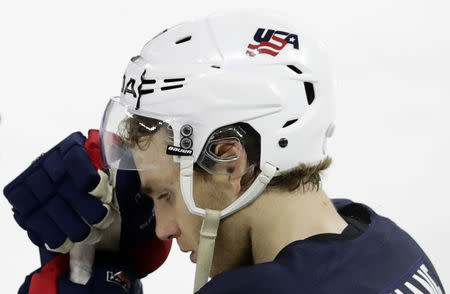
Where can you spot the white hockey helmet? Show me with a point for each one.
(251, 67)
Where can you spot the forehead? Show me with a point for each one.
(153, 163)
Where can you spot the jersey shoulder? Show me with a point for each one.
(381, 260)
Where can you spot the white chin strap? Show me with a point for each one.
(211, 218)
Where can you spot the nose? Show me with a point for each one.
(166, 226)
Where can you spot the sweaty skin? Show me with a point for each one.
(255, 234)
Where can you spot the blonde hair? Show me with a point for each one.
(303, 176)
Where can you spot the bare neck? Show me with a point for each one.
(279, 218)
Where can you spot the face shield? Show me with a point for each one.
(132, 141)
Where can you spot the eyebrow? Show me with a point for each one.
(146, 190)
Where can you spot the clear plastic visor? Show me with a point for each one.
(133, 142)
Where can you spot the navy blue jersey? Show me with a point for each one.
(382, 259)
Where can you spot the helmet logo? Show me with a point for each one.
(271, 42)
(129, 86)
(174, 150)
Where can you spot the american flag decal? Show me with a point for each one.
(270, 42)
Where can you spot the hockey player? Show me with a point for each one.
(223, 123)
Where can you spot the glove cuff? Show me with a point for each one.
(46, 281)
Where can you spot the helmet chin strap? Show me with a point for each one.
(208, 234)
(211, 218)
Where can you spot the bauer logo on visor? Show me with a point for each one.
(271, 42)
(174, 150)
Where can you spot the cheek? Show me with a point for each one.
(211, 195)
(206, 195)
(189, 223)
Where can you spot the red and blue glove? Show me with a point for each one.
(53, 200)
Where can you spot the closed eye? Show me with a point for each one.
(163, 196)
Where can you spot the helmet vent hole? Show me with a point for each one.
(295, 69)
(135, 58)
(171, 87)
(185, 39)
(290, 122)
(215, 66)
(310, 95)
(173, 80)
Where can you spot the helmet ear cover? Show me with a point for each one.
(231, 150)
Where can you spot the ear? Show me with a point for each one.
(230, 148)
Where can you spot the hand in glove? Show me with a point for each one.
(51, 198)
(64, 198)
